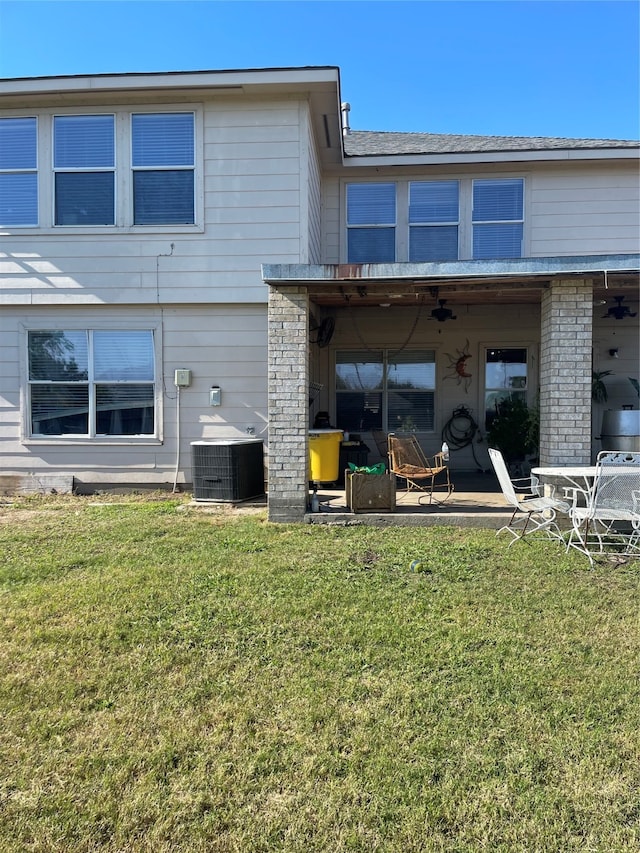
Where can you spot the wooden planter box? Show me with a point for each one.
(370, 492)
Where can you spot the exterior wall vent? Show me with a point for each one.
(345, 118)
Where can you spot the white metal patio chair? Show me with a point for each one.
(533, 513)
(605, 519)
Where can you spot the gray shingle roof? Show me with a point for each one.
(371, 143)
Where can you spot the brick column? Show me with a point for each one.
(565, 373)
(288, 331)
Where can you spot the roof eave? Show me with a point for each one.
(278, 274)
(557, 155)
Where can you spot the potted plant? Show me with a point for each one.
(599, 392)
(514, 431)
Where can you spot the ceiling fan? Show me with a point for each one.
(619, 311)
(441, 314)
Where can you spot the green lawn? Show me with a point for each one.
(174, 680)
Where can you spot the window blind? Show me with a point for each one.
(18, 176)
(83, 142)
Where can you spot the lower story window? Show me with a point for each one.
(385, 390)
(91, 383)
(505, 379)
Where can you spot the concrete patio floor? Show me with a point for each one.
(476, 501)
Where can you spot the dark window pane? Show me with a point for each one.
(371, 245)
(163, 197)
(124, 410)
(410, 411)
(59, 409)
(500, 240)
(357, 412)
(433, 243)
(84, 198)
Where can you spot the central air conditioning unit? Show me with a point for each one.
(227, 471)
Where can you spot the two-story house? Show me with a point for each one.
(230, 226)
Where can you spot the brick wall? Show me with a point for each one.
(565, 373)
(288, 403)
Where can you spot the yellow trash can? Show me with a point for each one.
(324, 455)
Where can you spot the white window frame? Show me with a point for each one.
(434, 224)
(483, 222)
(465, 212)
(112, 170)
(45, 324)
(531, 380)
(31, 171)
(124, 182)
(161, 168)
(373, 226)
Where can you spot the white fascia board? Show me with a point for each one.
(288, 78)
(493, 157)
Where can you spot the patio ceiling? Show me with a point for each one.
(465, 292)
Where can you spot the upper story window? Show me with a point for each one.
(84, 170)
(433, 220)
(371, 223)
(441, 220)
(163, 160)
(18, 171)
(498, 218)
(118, 169)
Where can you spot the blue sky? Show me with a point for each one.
(506, 67)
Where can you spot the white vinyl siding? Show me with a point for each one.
(584, 211)
(314, 202)
(18, 171)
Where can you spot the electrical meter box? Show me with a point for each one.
(182, 378)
